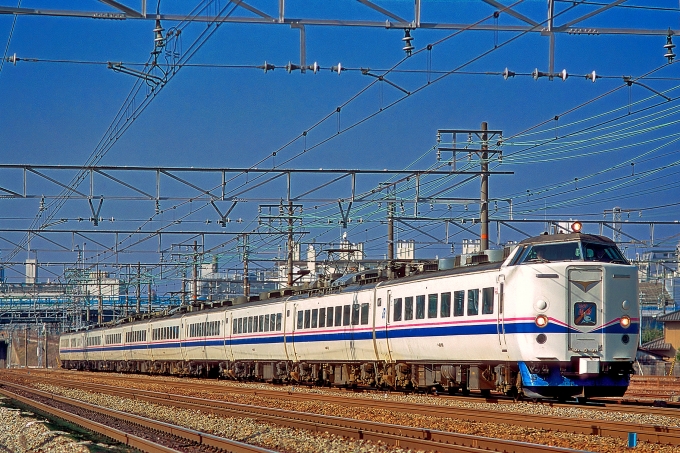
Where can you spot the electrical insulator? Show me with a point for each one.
(314, 67)
(592, 76)
(564, 74)
(158, 34)
(337, 68)
(669, 47)
(267, 67)
(290, 67)
(408, 47)
(507, 74)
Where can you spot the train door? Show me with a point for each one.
(290, 349)
(501, 314)
(228, 331)
(381, 320)
(585, 309)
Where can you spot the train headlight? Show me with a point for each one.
(541, 320)
(625, 321)
(576, 227)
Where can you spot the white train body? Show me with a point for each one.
(563, 325)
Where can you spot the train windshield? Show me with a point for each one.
(569, 251)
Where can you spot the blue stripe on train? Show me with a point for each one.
(395, 333)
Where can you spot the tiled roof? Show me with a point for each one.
(670, 317)
(653, 293)
(656, 345)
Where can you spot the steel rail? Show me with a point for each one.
(646, 432)
(140, 443)
(397, 435)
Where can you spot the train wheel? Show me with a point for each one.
(486, 393)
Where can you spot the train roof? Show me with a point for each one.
(562, 237)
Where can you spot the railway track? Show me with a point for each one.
(604, 405)
(396, 435)
(141, 433)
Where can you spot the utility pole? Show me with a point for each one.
(194, 289)
(390, 235)
(100, 307)
(184, 286)
(26, 347)
(484, 208)
(484, 135)
(246, 280)
(139, 287)
(150, 296)
(290, 243)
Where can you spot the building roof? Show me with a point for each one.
(653, 293)
(657, 345)
(670, 317)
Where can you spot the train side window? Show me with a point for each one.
(266, 323)
(432, 301)
(329, 317)
(272, 322)
(420, 307)
(364, 314)
(355, 314)
(307, 318)
(239, 322)
(315, 318)
(278, 321)
(338, 315)
(408, 308)
(322, 317)
(445, 309)
(234, 329)
(458, 303)
(255, 324)
(300, 319)
(473, 302)
(397, 309)
(346, 311)
(250, 324)
(487, 301)
(261, 323)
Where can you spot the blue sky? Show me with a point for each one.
(211, 116)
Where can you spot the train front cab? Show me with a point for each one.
(599, 325)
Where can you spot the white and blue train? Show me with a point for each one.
(557, 316)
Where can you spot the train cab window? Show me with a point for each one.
(300, 320)
(473, 302)
(308, 316)
(266, 323)
(355, 314)
(487, 301)
(432, 301)
(408, 308)
(397, 309)
(278, 321)
(261, 327)
(315, 318)
(346, 311)
(364, 314)
(546, 253)
(420, 307)
(458, 303)
(322, 317)
(445, 308)
(603, 253)
(338, 315)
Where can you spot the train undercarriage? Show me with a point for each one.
(533, 380)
